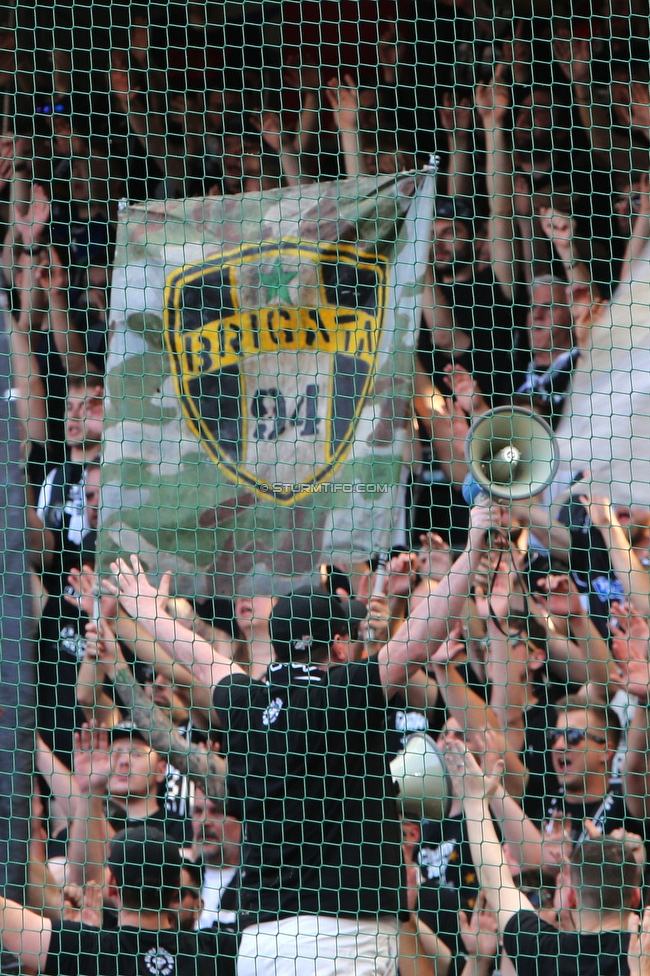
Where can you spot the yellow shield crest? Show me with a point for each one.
(273, 347)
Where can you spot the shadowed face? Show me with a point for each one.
(136, 768)
(551, 323)
(452, 244)
(217, 835)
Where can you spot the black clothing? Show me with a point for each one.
(434, 504)
(538, 949)
(591, 567)
(61, 637)
(607, 814)
(494, 325)
(438, 907)
(308, 775)
(61, 507)
(54, 373)
(542, 780)
(61, 648)
(402, 721)
(548, 389)
(450, 882)
(165, 821)
(79, 950)
(445, 858)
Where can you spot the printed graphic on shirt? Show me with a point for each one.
(159, 962)
(271, 714)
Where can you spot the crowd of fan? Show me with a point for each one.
(543, 208)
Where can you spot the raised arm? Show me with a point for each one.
(474, 790)
(433, 617)
(147, 605)
(586, 302)
(26, 935)
(456, 115)
(284, 144)
(632, 575)
(493, 109)
(637, 243)
(195, 695)
(203, 767)
(89, 829)
(92, 696)
(28, 386)
(610, 144)
(69, 342)
(343, 98)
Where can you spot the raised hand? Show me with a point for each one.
(30, 282)
(468, 780)
(493, 100)
(6, 161)
(457, 117)
(558, 227)
(638, 958)
(480, 934)
(630, 644)
(485, 516)
(377, 624)
(85, 584)
(401, 574)
(435, 558)
(600, 509)
(83, 905)
(31, 220)
(343, 98)
(277, 138)
(136, 594)
(466, 391)
(580, 60)
(92, 761)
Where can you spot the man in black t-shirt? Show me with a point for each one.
(137, 788)
(321, 869)
(143, 876)
(582, 746)
(69, 519)
(604, 878)
(307, 767)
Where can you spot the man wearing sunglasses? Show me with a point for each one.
(601, 889)
(582, 746)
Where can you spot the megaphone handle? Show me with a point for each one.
(380, 575)
(471, 490)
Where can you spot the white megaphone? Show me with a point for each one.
(419, 773)
(512, 454)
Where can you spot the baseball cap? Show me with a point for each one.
(141, 859)
(127, 729)
(307, 621)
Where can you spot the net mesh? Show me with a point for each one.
(325, 505)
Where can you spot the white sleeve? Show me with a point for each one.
(45, 496)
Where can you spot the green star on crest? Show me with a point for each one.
(275, 280)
